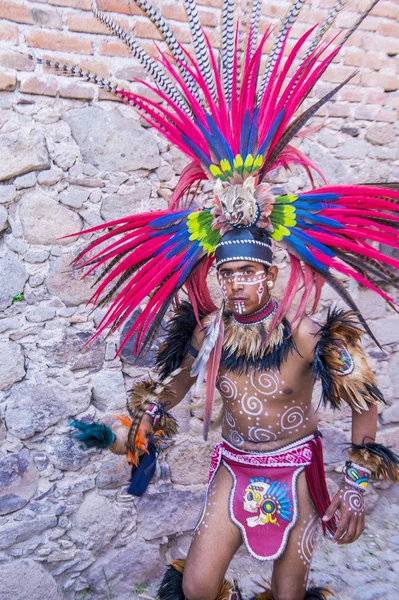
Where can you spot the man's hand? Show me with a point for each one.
(350, 503)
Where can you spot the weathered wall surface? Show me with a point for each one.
(67, 527)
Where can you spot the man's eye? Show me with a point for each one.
(249, 272)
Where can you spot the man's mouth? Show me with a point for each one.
(239, 299)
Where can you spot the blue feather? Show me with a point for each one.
(212, 143)
(190, 259)
(220, 139)
(244, 132)
(180, 240)
(319, 219)
(169, 219)
(197, 151)
(321, 196)
(252, 133)
(314, 243)
(305, 253)
(273, 128)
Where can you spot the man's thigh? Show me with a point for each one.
(290, 572)
(214, 544)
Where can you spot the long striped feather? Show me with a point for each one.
(290, 19)
(200, 45)
(227, 47)
(254, 27)
(169, 37)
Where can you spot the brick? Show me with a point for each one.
(311, 16)
(9, 33)
(366, 113)
(127, 7)
(380, 135)
(395, 103)
(16, 60)
(8, 81)
(372, 61)
(47, 18)
(213, 3)
(146, 29)
(114, 48)
(81, 4)
(338, 110)
(174, 11)
(208, 18)
(337, 74)
(387, 9)
(388, 82)
(390, 29)
(96, 67)
(389, 46)
(89, 24)
(78, 91)
(104, 95)
(376, 98)
(351, 94)
(353, 57)
(40, 87)
(274, 9)
(16, 12)
(386, 115)
(60, 42)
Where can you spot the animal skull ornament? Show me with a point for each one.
(242, 204)
(237, 201)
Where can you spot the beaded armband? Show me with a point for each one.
(356, 475)
(154, 412)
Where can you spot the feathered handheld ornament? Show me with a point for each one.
(236, 124)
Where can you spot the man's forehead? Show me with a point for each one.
(239, 265)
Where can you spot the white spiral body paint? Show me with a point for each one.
(267, 383)
(230, 420)
(353, 500)
(257, 434)
(293, 417)
(251, 405)
(236, 438)
(307, 539)
(228, 388)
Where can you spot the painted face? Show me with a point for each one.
(243, 286)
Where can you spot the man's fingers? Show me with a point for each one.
(331, 510)
(349, 535)
(359, 528)
(341, 529)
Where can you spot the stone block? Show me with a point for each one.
(12, 364)
(34, 407)
(125, 568)
(22, 151)
(18, 481)
(109, 392)
(96, 522)
(391, 414)
(113, 473)
(334, 444)
(22, 579)
(8, 193)
(67, 284)
(116, 206)
(180, 512)
(45, 221)
(13, 277)
(183, 454)
(380, 134)
(66, 453)
(25, 181)
(20, 531)
(40, 314)
(69, 352)
(50, 177)
(3, 218)
(111, 142)
(74, 196)
(386, 330)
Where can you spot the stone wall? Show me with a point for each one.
(70, 161)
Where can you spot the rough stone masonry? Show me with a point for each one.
(71, 158)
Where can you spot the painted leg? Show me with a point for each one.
(290, 572)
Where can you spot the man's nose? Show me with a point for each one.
(236, 283)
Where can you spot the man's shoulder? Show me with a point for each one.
(306, 334)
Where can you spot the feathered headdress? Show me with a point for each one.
(236, 124)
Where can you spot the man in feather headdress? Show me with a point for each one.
(267, 486)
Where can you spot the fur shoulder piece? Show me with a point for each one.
(175, 347)
(341, 365)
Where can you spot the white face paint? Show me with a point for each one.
(239, 307)
(243, 278)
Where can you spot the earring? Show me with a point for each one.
(270, 284)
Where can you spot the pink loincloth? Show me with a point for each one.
(263, 499)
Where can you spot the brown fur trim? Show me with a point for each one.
(382, 462)
(142, 395)
(338, 347)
